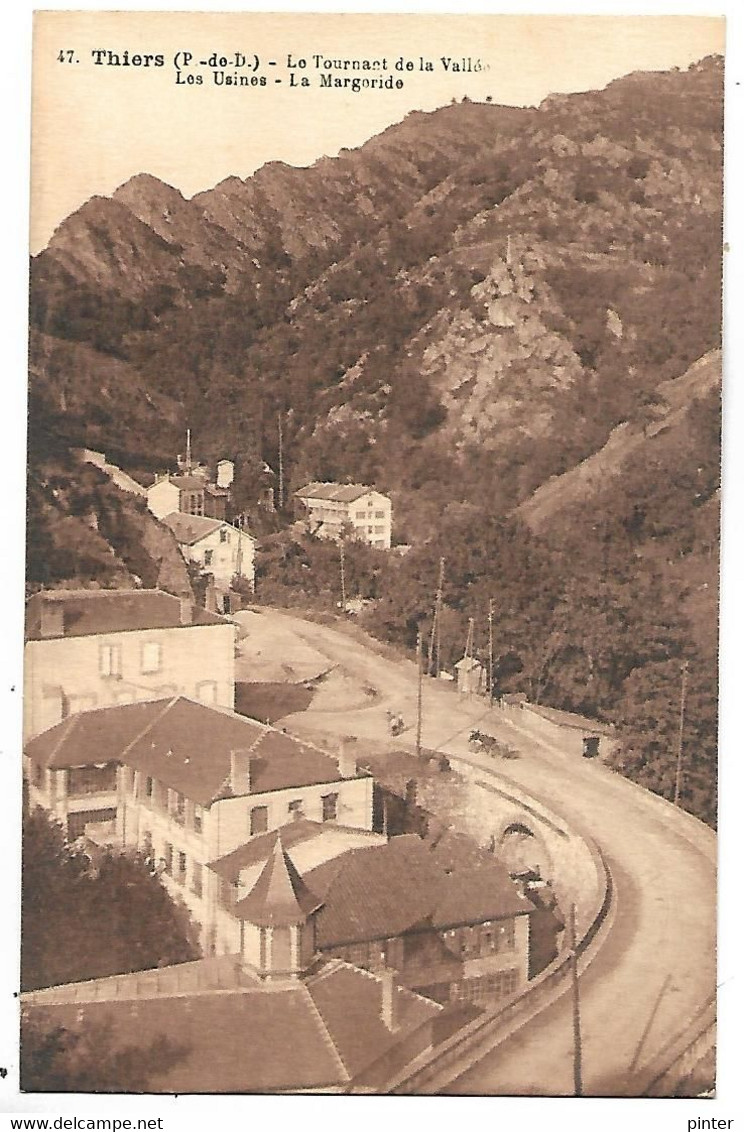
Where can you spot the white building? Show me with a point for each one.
(216, 547)
(94, 648)
(187, 785)
(334, 509)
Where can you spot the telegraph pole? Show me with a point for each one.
(490, 652)
(435, 630)
(281, 462)
(419, 700)
(343, 578)
(680, 736)
(577, 1052)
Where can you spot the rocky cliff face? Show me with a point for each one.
(478, 280)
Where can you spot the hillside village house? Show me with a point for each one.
(453, 932)
(331, 509)
(93, 648)
(187, 784)
(216, 547)
(284, 1010)
(190, 493)
(310, 998)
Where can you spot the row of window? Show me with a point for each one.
(109, 658)
(182, 810)
(175, 864)
(497, 984)
(480, 940)
(258, 818)
(368, 515)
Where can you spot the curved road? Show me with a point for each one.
(656, 968)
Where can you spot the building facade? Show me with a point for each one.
(186, 785)
(334, 510)
(216, 547)
(95, 648)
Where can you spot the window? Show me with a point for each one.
(206, 691)
(151, 659)
(379, 530)
(168, 858)
(259, 820)
(379, 514)
(370, 530)
(208, 556)
(77, 823)
(196, 880)
(177, 806)
(181, 868)
(295, 808)
(91, 780)
(224, 535)
(109, 660)
(149, 789)
(229, 892)
(147, 842)
(361, 514)
(330, 807)
(198, 818)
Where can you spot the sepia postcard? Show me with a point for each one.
(370, 670)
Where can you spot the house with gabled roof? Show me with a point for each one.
(455, 929)
(216, 547)
(97, 648)
(187, 785)
(335, 510)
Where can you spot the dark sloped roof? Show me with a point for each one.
(259, 848)
(314, 1034)
(382, 891)
(254, 1041)
(279, 896)
(186, 745)
(189, 483)
(88, 612)
(350, 1003)
(93, 736)
(191, 528)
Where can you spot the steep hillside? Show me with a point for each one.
(506, 318)
(660, 424)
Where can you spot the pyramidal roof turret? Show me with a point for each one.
(280, 896)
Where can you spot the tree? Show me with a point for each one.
(89, 1059)
(83, 922)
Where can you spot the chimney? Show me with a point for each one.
(347, 763)
(52, 620)
(389, 1006)
(240, 771)
(186, 610)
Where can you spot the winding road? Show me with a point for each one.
(656, 968)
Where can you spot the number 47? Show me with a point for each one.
(66, 57)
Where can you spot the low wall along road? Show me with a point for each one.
(648, 977)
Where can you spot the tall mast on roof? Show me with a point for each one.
(188, 449)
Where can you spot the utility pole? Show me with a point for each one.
(343, 578)
(419, 703)
(435, 639)
(577, 1066)
(281, 463)
(490, 652)
(680, 736)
